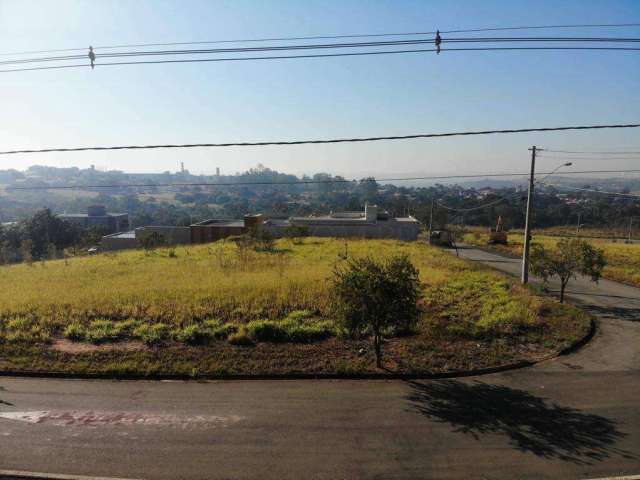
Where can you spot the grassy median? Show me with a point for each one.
(623, 259)
(219, 309)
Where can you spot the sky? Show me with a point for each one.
(316, 98)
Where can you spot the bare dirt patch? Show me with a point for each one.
(67, 346)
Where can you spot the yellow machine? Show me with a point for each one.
(498, 234)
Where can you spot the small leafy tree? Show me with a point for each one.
(152, 241)
(261, 240)
(296, 233)
(26, 251)
(570, 257)
(374, 297)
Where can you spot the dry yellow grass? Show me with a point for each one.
(199, 282)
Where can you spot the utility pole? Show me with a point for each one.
(578, 225)
(630, 224)
(528, 219)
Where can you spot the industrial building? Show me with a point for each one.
(369, 223)
(98, 217)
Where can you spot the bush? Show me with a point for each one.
(152, 241)
(241, 338)
(296, 233)
(299, 315)
(26, 330)
(266, 331)
(375, 297)
(224, 331)
(101, 331)
(128, 326)
(75, 331)
(154, 334)
(307, 332)
(193, 335)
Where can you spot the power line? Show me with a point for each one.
(464, 210)
(326, 46)
(307, 142)
(619, 152)
(328, 37)
(557, 157)
(592, 190)
(298, 182)
(326, 55)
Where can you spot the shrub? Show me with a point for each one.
(374, 297)
(299, 315)
(193, 335)
(75, 331)
(154, 334)
(262, 240)
(26, 330)
(241, 338)
(152, 241)
(128, 326)
(224, 331)
(266, 331)
(101, 331)
(296, 233)
(307, 332)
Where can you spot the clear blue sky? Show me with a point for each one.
(291, 99)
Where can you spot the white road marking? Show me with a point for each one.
(92, 418)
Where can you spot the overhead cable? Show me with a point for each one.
(324, 55)
(334, 140)
(328, 37)
(592, 190)
(323, 46)
(298, 182)
(618, 152)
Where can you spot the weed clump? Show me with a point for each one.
(154, 334)
(26, 330)
(266, 331)
(241, 338)
(194, 334)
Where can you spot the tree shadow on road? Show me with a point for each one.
(618, 313)
(532, 423)
(2, 402)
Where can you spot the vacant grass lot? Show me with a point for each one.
(217, 309)
(623, 259)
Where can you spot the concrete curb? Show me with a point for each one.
(319, 376)
(15, 474)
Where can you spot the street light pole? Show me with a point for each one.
(528, 219)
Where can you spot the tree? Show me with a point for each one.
(570, 257)
(45, 228)
(152, 241)
(296, 233)
(377, 298)
(369, 188)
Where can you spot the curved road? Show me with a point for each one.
(574, 417)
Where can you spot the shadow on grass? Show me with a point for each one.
(532, 423)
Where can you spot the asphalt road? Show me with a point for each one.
(574, 417)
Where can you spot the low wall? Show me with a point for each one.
(115, 242)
